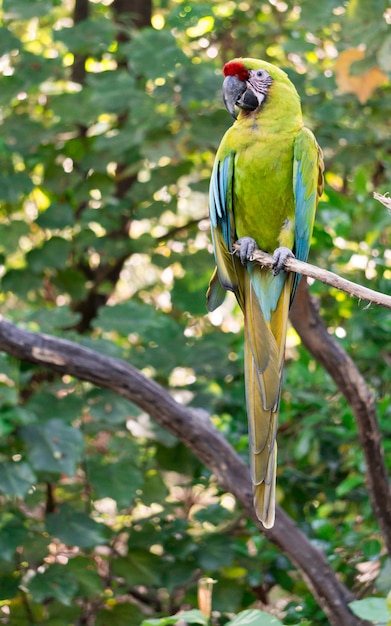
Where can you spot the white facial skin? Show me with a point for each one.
(259, 81)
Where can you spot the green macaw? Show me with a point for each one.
(265, 185)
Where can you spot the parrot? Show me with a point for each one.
(265, 185)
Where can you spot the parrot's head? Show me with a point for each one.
(248, 83)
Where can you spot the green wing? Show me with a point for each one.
(307, 186)
(229, 272)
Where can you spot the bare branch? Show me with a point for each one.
(386, 200)
(199, 434)
(326, 277)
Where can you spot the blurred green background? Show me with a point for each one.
(111, 114)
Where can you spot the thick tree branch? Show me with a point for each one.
(329, 278)
(198, 434)
(328, 352)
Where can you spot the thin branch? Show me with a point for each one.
(385, 200)
(326, 277)
(330, 354)
(199, 434)
(170, 234)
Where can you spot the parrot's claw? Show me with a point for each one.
(280, 255)
(247, 247)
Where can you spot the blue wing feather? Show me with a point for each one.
(220, 202)
(223, 171)
(215, 208)
(223, 231)
(267, 288)
(307, 187)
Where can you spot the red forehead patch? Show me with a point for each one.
(233, 68)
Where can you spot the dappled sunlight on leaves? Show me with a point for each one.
(108, 139)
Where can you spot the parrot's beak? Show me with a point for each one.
(233, 88)
(237, 93)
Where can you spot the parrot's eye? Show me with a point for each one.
(260, 73)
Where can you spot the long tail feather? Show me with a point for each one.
(264, 359)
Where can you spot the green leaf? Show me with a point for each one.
(25, 9)
(214, 514)
(141, 319)
(154, 53)
(17, 416)
(384, 55)
(53, 446)
(8, 41)
(88, 37)
(109, 409)
(372, 549)
(179, 576)
(9, 586)
(21, 282)
(51, 320)
(16, 478)
(5, 426)
(74, 528)
(55, 582)
(254, 617)
(215, 552)
(36, 546)
(12, 535)
(193, 616)
(52, 255)
(8, 395)
(120, 614)
(72, 282)
(175, 457)
(84, 571)
(373, 609)
(154, 488)
(57, 216)
(58, 614)
(119, 480)
(228, 595)
(13, 186)
(21, 615)
(111, 91)
(162, 621)
(189, 296)
(351, 482)
(46, 405)
(140, 567)
(383, 580)
(72, 109)
(10, 234)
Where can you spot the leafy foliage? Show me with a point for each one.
(108, 139)
(378, 610)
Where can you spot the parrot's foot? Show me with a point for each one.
(247, 247)
(280, 255)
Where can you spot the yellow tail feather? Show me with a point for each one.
(265, 493)
(264, 359)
